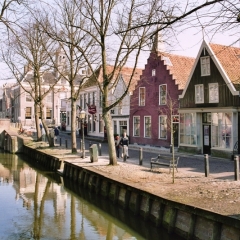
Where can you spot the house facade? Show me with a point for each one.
(154, 103)
(91, 99)
(209, 105)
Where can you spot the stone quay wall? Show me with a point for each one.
(187, 221)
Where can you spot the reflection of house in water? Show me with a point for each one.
(29, 184)
(56, 212)
(104, 223)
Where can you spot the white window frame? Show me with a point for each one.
(205, 66)
(199, 93)
(136, 123)
(162, 126)
(213, 92)
(153, 72)
(142, 100)
(145, 127)
(162, 97)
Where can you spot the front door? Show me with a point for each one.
(206, 139)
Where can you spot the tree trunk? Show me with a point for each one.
(39, 133)
(111, 145)
(73, 126)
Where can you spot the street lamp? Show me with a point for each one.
(82, 117)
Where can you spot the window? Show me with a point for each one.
(101, 123)
(147, 127)
(89, 98)
(221, 130)
(199, 93)
(162, 94)
(154, 72)
(136, 126)
(81, 101)
(48, 113)
(28, 113)
(141, 96)
(188, 128)
(49, 98)
(213, 93)
(28, 97)
(123, 126)
(163, 127)
(205, 66)
(85, 101)
(89, 123)
(94, 98)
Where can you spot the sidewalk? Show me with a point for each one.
(218, 192)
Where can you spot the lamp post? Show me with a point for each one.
(82, 117)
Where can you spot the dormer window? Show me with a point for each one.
(205, 66)
(153, 72)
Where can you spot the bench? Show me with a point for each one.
(165, 161)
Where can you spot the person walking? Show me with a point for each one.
(56, 133)
(117, 145)
(124, 143)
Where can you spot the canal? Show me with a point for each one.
(36, 204)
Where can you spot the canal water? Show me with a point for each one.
(35, 204)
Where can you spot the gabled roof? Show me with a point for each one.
(49, 78)
(227, 60)
(179, 67)
(125, 73)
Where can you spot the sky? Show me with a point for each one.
(187, 44)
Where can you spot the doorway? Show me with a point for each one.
(206, 139)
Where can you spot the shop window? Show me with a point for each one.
(188, 128)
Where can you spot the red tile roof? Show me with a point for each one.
(179, 66)
(229, 58)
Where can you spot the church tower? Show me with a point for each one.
(60, 60)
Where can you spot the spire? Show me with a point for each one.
(60, 59)
(158, 44)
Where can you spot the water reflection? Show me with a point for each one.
(40, 205)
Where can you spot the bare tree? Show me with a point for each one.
(30, 48)
(105, 18)
(67, 31)
(170, 110)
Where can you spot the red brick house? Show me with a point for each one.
(161, 82)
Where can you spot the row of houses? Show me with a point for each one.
(199, 96)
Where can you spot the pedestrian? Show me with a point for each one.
(41, 126)
(56, 133)
(117, 145)
(124, 143)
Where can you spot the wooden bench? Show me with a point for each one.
(165, 161)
